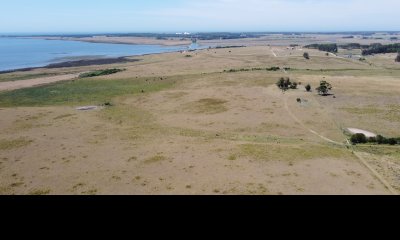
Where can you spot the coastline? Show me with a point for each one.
(77, 63)
(122, 40)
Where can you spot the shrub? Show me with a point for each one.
(306, 55)
(398, 57)
(308, 88)
(358, 138)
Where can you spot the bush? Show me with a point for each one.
(308, 88)
(398, 57)
(306, 55)
(358, 138)
(100, 73)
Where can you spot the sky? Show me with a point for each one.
(108, 16)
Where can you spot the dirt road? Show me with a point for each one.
(7, 86)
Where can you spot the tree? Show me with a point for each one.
(306, 55)
(398, 57)
(308, 88)
(285, 84)
(392, 141)
(358, 138)
(324, 88)
(380, 139)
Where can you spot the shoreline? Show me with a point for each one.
(77, 63)
(94, 61)
(121, 40)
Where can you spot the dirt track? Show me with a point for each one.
(7, 86)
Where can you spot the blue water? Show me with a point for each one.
(16, 53)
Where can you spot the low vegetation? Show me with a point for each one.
(306, 55)
(100, 73)
(333, 48)
(398, 57)
(82, 91)
(308, 88)
(6, 144)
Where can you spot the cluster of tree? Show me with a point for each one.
(398, 57)
(324, 88)
(330, 47)
(360, 138)
(377, 48)
(285, 84)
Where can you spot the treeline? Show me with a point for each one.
(100, 73)
(378, 48)
(272, 69)
(330, 47)
(350, 46)
(360, 138)
(233, 46)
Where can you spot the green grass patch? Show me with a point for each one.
(12, 144)
(269, 152)
(207, 106)
(99, 73)
(82, 91)
(40, 192)
(380, 150)
(155, 159)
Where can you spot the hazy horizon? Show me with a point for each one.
(156, 16)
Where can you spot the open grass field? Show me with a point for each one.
(181, 125)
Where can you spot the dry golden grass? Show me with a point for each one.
(199, 130)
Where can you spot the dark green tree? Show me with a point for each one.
(358, 138)
(306, 55)
(308, 88)
(324, 88)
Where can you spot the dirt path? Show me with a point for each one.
(357, 154)
(274, 53)
(305, 127)
(376, 174)
(7, 86)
